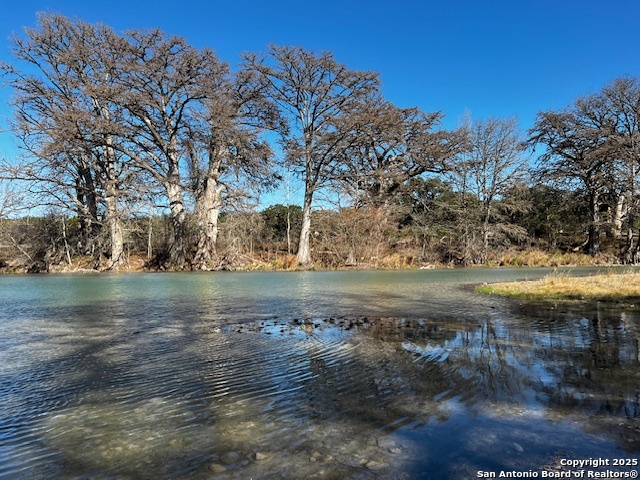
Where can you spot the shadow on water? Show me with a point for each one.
(172, 385)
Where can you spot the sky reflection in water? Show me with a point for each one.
(332, 374)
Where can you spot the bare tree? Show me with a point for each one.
(241, 233)
(64, 117)
(227, 157)
(579, 151)
(162, 81)
(311, 91)
(621, 99)
(387, 146)
(11, 199)
(488, 168)
(143, 108)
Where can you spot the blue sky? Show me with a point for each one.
(498, 58)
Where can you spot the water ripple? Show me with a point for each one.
(292, 397)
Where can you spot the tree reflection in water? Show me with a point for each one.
(542, 377)
(344, 397)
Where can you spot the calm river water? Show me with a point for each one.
(338, 375)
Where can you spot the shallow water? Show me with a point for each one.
(307, 375)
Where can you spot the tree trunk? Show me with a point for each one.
(112, 196)
(208, 205)
(631, 254)
(64, 238)
(629, 251)
(617, 218)
(467, 257)
(177, 254)
(115, 228)
(485, 234)
(593, 243)
(635, 258)
(288, 228)
(304, 251)
(87, 210)
(150, 239)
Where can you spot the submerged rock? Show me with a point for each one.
(230, 457)
(375, 465)
(217, 468)
(259, 457)
(386, 443)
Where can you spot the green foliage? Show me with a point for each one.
(556, 218)
(278, 219)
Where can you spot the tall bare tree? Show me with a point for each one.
(579, 152)
(311, 91)
(140, 107)
(492, 163)
(226, 154)
(162, 83)
(64, 120)
(621, 99)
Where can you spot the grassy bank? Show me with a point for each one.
(608, 287)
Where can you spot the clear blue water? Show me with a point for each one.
(307, 375)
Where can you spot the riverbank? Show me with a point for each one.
(284, 262)
(608, 287)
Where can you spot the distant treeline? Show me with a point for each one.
(140, 148)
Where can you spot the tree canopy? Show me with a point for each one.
(140, 141)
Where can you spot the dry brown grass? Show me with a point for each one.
(539, 258)
(395, 261)
(608, 287)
